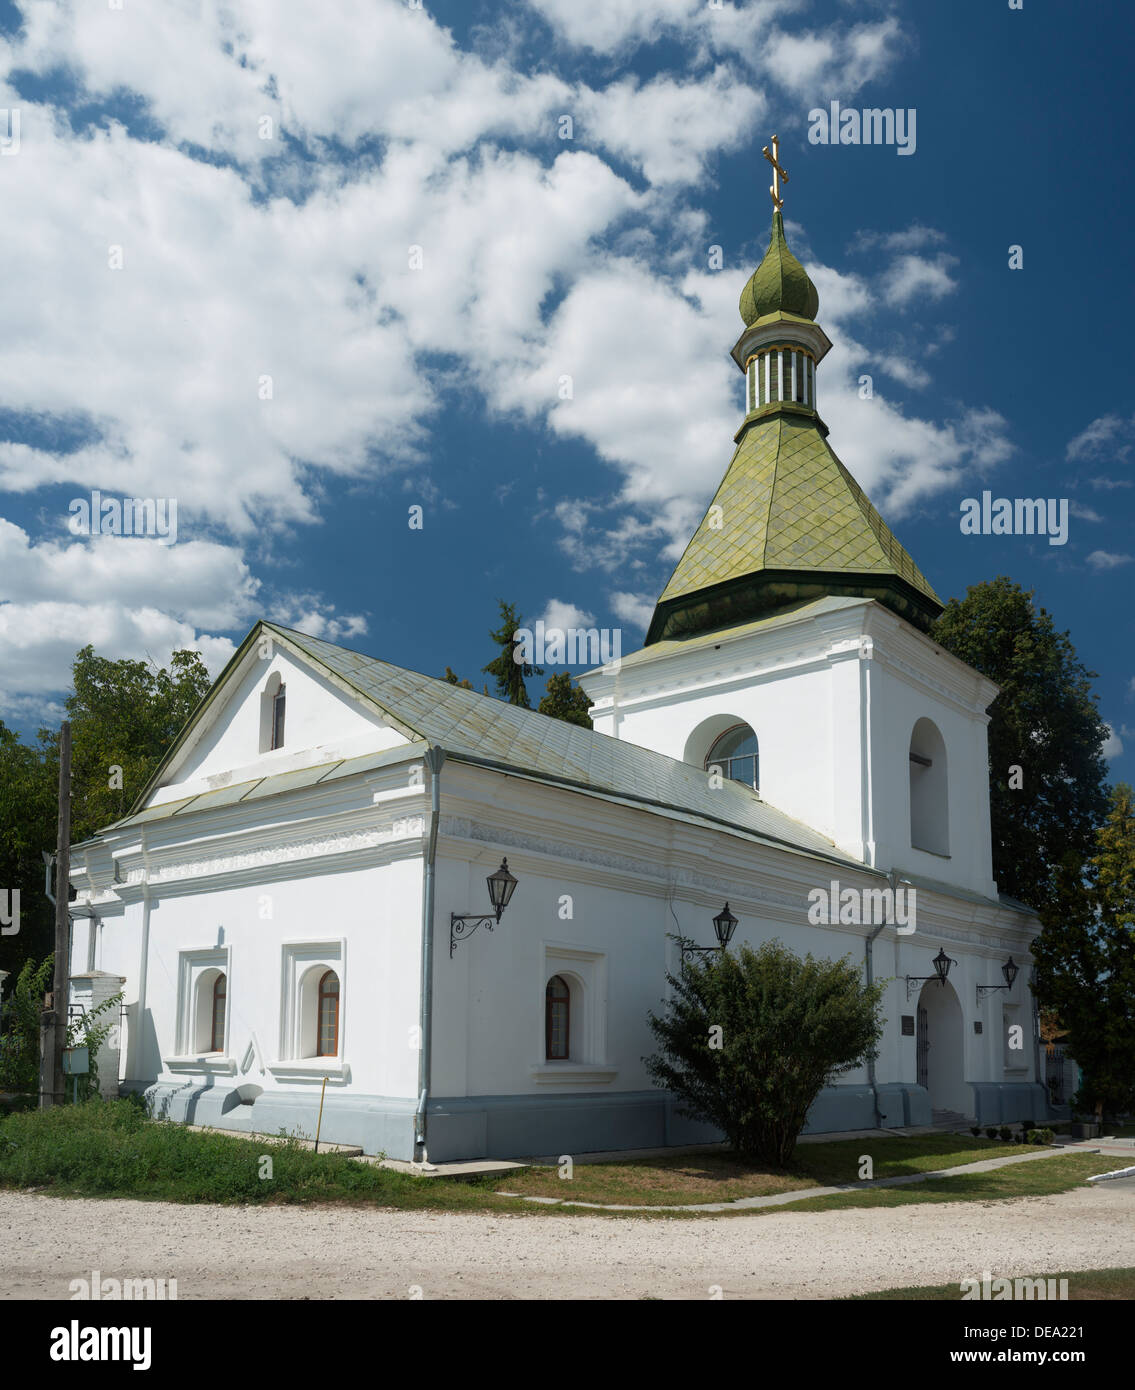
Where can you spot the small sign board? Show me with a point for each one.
(76, 1061)
(908, 1025)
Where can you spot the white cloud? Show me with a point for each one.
(913, 238)
(1107, 560)
(560, 616)
(130, 598)
(902, 369)
(38, 642)
(666, 128)
(606, 25)
(196, 581)
(539, 263)
(637, 609)
(840, 58)
(1097, 441)
(911, 277)
(1112, 745)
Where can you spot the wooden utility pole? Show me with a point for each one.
(54, 1024)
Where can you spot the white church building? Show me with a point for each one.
(297, 909)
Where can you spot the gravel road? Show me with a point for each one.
(305, 1252)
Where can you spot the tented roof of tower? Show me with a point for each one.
(788, 522)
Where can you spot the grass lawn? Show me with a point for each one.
(110, 1149)
(106, 1149)
(1043, 1178)
(1084, 1285)
(720, 1176)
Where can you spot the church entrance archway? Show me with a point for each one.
(941, 1061)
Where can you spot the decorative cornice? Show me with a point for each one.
(282, 852)
(945, 916)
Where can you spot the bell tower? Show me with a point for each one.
(795, 627)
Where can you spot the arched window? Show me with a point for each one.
(557, 1020)
(929, 793)
(278, 703)
(328, 1035)
(273, 701)
(217, 1031)
(737, 755)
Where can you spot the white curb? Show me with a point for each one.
(1119, 1173)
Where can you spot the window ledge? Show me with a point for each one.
(310, 1069)
(573, 1073)
(209, 1063)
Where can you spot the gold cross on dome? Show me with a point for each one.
(777, 172)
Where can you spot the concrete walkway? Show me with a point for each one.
(781, 1199)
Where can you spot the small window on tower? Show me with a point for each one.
(737, 754)
(278, 703)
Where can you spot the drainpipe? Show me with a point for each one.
(138, 1035)
(433, 759)
(868, 943)
(870, 967)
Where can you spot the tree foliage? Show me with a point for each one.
(1085, 959)
(124, 716)
(20, 1033)
(28, 814)
(1045, 722)
(563, 700)
(787, 1025)
(509, 673)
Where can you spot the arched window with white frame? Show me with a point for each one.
(210, 1012)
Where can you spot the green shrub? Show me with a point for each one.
(975, 1130)
(991, 1131)
(1005, 1132)
(749, 1039)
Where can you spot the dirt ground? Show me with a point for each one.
(316, 1253)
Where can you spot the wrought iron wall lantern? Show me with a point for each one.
(1010, 970)
(941, 964)
(724, 925)
(502, 885)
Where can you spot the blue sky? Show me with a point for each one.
(287, 257)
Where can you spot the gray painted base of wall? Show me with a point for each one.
(528, 1126)
(381, 1124)
(1009, 1102)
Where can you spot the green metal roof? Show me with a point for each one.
(477, 728)
(779, 283)
(488, 732)
(793, 524)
